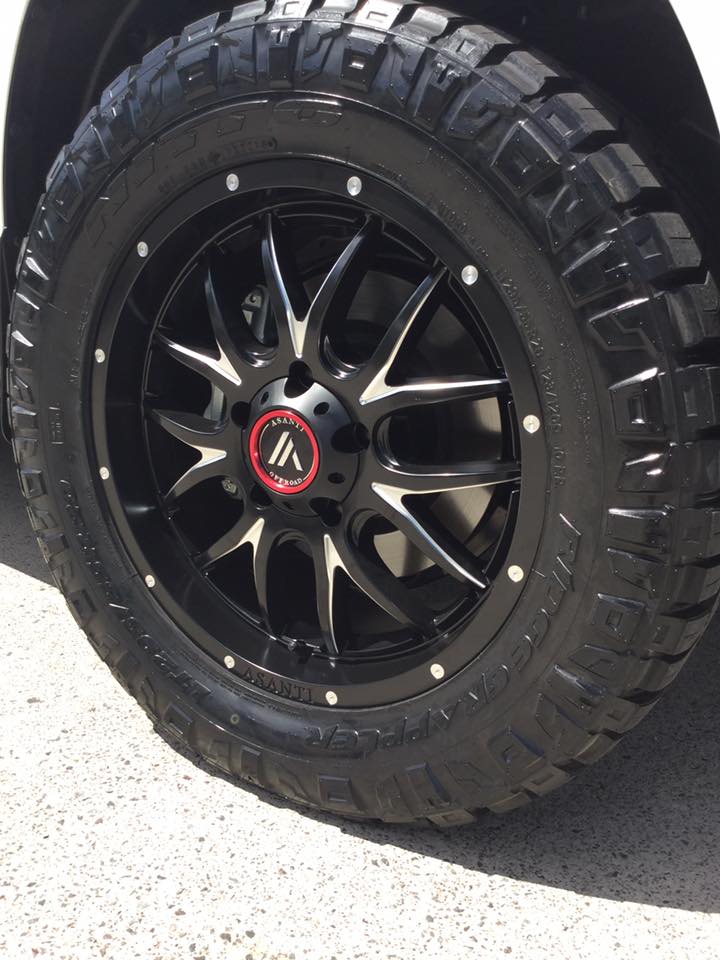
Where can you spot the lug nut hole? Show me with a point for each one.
(329, 511)
(240, 414)
(353, 438)
(259, 497)
(300, 379)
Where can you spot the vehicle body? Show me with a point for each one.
(488, 577)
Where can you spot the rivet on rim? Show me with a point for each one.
(150, 581)
(354, 186)
(531, 423)
(469, 275)
(516, 573)
(104, 473)
(143, 249)
(331, 697)
(438, 671)
(100, 356)
(229, 662)
(232, 182)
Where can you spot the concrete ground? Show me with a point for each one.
(114, 845)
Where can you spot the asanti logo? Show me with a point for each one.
(284, 452)
(285, 448)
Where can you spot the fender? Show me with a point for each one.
(694, 20)
(14, 12)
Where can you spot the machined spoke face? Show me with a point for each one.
(225, 366)
(289, 300)
(339, 288)
(411, 479)
(208, 467)
(301, 321)
(422, 393)
(218, 370)
(374, 377)
(201, 435)
(337, 555)
(383, 589)
(191, 429)
(251, 530)
(247, 531)
(331, 436)
(262, 554)
(231, 361)
(327, 563)
(436, 544)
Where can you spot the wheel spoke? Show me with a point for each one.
(219, 371)
(289, 301)
(191, 429)
(374, 376)
(420, 393)
(413, 479)
(338, 290)
(435, 543)
(210, 465)
(230, 359)
(376, 582)
(326, 563)
(262, 551)
(253, 531)
(246, 532)
(201, 435)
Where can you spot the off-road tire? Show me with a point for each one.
(618, 314)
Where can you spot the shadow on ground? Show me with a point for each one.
(643, 825)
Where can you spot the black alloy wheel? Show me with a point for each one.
(361, 399)
(321, 439)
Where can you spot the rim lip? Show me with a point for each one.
(457, 648)
(256, 458)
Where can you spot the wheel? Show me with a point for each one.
(360, 403)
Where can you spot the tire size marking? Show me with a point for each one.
(177, 675)
(217, 159)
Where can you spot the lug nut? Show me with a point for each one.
(230, 487)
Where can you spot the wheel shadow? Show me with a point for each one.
(642, 826)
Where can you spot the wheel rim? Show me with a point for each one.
(288, 457)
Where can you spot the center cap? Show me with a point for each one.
(284, 451)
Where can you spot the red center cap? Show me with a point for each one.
(284, 451)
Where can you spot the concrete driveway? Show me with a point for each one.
(112, 844)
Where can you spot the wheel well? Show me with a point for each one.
(68, 53)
